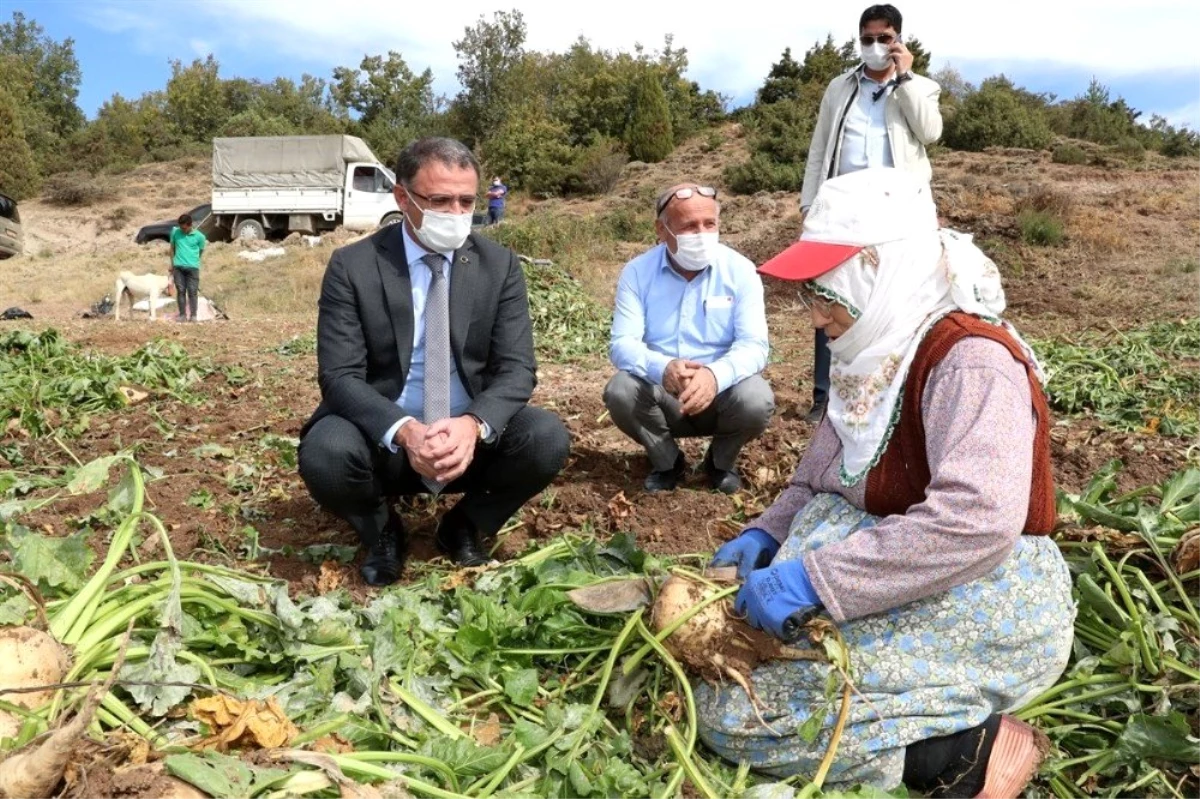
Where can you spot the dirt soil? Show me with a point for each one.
(1130, 235)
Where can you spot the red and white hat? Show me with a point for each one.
(853, 211)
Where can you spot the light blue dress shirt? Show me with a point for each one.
(717, 319)
(865, 141)
(412, 397)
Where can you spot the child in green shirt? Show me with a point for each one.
(186, 246)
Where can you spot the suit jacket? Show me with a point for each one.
(365, 332)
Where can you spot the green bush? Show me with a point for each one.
(712, 141)
(1178, 142)
(649, 136)
(597, 168)
(18, 167)
(997, 116)
(760, 173)
(76, 189)
(1040, 227)
(631, 222)
(1069, 154)
(1131, 148)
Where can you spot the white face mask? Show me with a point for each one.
(876, 56)
(442, 232)
(695, 251)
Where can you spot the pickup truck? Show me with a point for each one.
(274, 185)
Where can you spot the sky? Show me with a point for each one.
(1057, 46)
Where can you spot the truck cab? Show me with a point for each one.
(369, 196)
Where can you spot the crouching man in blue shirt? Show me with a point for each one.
(689, 339)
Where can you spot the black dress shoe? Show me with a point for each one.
(726, 481)
(666, 479)
(458, 539)
(385, 559)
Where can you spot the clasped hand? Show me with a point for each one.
(692, 383)
(442, 450)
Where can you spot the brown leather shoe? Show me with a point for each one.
(1018, 751)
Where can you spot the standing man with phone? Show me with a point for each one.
(879, 114)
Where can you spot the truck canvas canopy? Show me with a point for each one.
(286, 161)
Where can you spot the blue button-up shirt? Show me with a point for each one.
(717, 319)
(412, 397)
(865, 140)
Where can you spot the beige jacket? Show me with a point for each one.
(913, 121)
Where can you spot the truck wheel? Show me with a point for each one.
(249, 230)
(391, 219)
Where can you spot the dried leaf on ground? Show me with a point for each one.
(237, 723)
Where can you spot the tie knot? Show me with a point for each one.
(436, 263)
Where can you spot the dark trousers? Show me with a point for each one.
(187, 290)
(495, 215)
(353, 478)
(821, 359)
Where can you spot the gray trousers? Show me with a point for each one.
(649, 415)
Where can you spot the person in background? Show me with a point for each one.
(879, 114)
(495, 197)
(918, 518)
(186, 246)
(689, 340)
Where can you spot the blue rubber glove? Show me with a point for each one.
(770, 595)
(751, 550)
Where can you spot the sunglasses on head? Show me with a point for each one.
(683, 194)
(883, 38)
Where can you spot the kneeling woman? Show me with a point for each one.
(916, 518)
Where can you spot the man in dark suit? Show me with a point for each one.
(425, 363)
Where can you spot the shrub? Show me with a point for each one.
(712, 141)
(649, 136)
(18, 167)
(761, 173)
(76, 189)
(1040, 227)
(116, 218)
(997, 116)
(631, 222)
(1131, 148)
(1069, 154)
(597, 168)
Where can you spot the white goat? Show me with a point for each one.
(152, 286)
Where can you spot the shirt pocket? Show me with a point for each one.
(718, 320)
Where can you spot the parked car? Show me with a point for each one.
(11, 240)
(161, 231)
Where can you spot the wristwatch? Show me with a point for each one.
(480, 427)
(907, 76)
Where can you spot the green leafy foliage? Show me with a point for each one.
(1118, 717)
(1040, 227)
(51, 385)
(222, 776)
(998, 115)
(18, 168)
(50, 563)
(1137, 379)
(1068, 153)
(649, 136)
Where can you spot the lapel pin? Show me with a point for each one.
(462, 259)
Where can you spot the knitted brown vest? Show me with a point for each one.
(901, 477)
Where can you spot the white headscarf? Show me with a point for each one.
(896, 292)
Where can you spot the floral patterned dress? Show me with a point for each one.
(928, 668)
